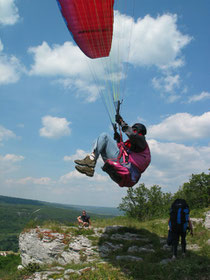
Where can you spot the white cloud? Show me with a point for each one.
(11, 158)
(1, 46)
(30, 180)
(168, 83)
(172, 163)
(149, 37)
(84, 89)
(202, 96)
(74, 176)
(54, 127)
(8, 12)
(66, 60)
(182, 126)
(78, 155)
(5, 134)
(65, 179)
(10, 69)
(8, 163)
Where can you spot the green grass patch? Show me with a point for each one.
(8, 266)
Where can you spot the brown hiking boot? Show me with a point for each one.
(87, 161)
(89, 171)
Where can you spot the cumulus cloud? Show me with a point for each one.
(63, 60)
(181, 126)
(83, 88)
(31, 181)
(168, 83)
(173, 163)
(79, 154)
(54, 127)
(149, 37)
(202, 96)
(75, 175)
(10, 67)
(11, 158)
(6, 134)
(8, 163)
(8, 12)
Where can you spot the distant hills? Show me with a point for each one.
(93, 209)
(15, 214)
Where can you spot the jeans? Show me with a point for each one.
(105, 146)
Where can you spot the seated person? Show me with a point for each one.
(84, 219)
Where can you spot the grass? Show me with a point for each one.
(8, 266)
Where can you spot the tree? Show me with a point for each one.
(197, 191)
(143, 203)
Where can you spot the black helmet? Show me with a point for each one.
(140, 128)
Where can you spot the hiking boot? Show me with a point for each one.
(89, 171)
(87, 161)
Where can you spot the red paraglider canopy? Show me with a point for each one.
(91, 24)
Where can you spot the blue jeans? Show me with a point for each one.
(106, 146)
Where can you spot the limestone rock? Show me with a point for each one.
(113, 228)
(166, 247)
(43, 246)
(193, 247)
(136, 249)
(109, 247)
(128, 236)
(128, 258)
(207, 220)
(196, 220)
(165, 261)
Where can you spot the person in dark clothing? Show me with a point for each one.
(178, 224)
(135, 148)
(84, 219)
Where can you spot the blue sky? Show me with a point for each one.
(51, 112)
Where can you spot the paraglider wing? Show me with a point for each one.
(90, 23)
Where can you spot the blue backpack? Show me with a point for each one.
(179, 216)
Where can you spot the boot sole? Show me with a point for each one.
(84, 164)
(84, 172)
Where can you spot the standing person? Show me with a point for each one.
(84, 219)
(124, 161)
(179, 222)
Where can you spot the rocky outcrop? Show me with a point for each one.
(43, 246)
(73, 245)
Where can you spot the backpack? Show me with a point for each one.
(179, 216)
(120, 173)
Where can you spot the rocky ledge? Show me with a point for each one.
(72, 245)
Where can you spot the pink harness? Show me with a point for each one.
(128, 172)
